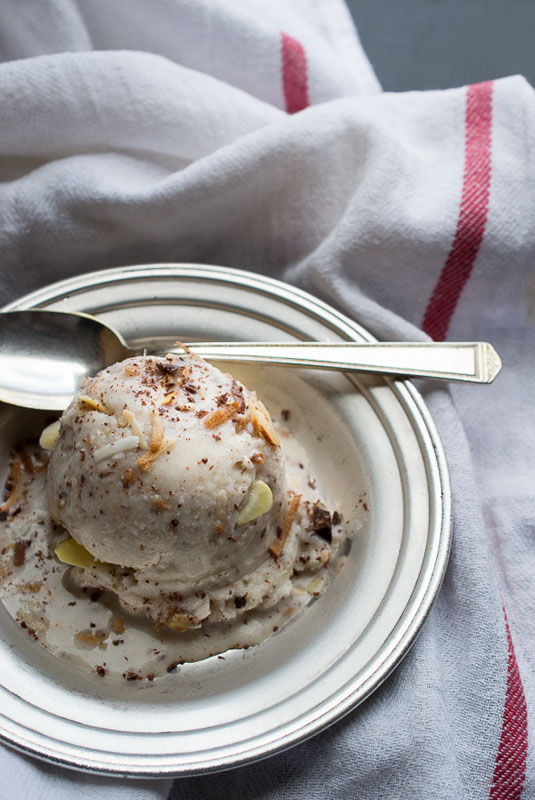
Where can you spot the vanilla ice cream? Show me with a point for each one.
(161, 521)
(169, 475)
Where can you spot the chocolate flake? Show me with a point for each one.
(131, 676)
(321, 523)
(19, 554)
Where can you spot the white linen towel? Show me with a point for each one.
(255, 135)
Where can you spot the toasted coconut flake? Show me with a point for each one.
(278, 545)
(145, 461)
(30, 588)
(117, 625)
(184, 347)
(157, 445)
(221, 415)
(262, 423)
(119, 446)
(91, 404)
(15, 482)
(131, 419)
(25, 458)
(158, 430)
(96, 639)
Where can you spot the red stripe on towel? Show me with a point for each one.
(472, 213)
(510, 765)
(294, 74)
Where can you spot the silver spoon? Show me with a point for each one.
(44, 355)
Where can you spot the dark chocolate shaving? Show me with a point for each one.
(19, 554)
(321, 523)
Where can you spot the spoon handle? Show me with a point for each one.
(475, 362)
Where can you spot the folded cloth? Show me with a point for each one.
(255, 135)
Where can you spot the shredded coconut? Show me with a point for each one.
(131, 419)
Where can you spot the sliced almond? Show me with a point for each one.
(221, 415)
(71, 552)
(48, 437)
(262, 423)
(278, 545)
(259, 500)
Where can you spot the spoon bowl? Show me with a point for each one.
(44, 355)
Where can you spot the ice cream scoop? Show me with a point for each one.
(169, 474)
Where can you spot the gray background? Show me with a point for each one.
(436, 44)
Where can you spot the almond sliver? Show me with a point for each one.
(262, 423)
(221, 415)
(71, 552)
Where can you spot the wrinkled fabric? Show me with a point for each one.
(256, 136)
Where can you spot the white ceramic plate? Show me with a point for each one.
(364, 435)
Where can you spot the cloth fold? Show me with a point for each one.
(255, 136)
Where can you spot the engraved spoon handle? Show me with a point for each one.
(475, 362)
